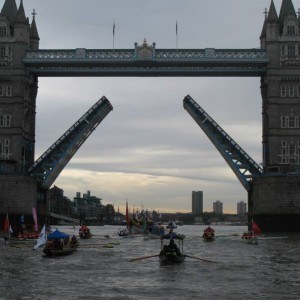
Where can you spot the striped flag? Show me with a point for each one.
(6, 224)
(176, 28)
(114, 27)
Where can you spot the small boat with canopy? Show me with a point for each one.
(171, 249)
(59, 243)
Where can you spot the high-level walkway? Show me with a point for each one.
(145, 60)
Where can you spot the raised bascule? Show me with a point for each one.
(273, 189)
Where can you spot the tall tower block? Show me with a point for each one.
(18, 90)
(276, 194)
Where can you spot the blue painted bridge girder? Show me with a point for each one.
(48, 167)
(145, 60)
(244, 167)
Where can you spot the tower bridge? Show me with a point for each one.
(273, 190)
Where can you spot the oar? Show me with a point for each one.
(143, 257)
(89, 245)
(225, 235)
(206, 260)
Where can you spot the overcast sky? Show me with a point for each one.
(149, 150)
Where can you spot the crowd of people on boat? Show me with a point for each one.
(84, 232)
(208, 233)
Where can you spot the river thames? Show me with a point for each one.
(269, 270)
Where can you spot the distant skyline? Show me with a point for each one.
(148, 149)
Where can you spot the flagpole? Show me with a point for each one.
(176, 35)
(114, 27)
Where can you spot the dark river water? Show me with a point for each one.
(269, 270)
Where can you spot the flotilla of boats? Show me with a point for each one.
(59, 243)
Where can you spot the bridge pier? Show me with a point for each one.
(276, 203)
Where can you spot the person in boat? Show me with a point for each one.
(171, 248)
(247, 235)
(73, 241)
(174, 248)
(208, 232)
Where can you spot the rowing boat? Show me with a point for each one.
(59, 244)
(171, 253)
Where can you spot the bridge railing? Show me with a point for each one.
(108, 55)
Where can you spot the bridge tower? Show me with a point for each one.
(18, 91)
(276, 194)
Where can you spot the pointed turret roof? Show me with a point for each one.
(264, 30)
(21, 17)
(287, 9)
(9, 10)
(33, 30)
(272, 15)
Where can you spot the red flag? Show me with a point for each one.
(255, 228)
(6, 224)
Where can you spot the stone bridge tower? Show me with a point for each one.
(276, 194)
(18, 91)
